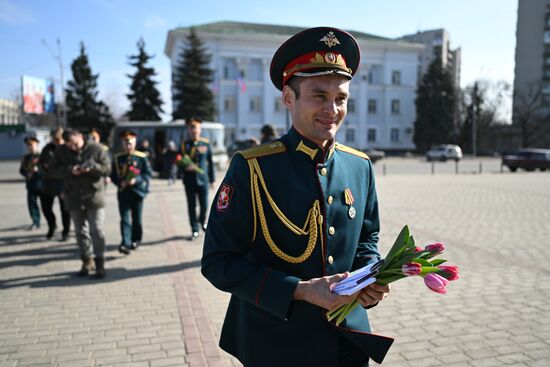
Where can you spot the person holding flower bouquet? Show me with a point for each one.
(196, 163)
(33, 179)
(131, 174)
(295, 216)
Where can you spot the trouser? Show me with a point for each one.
(192, 191)
(88, 227)
(47, 209)
(32, 205)
(130, 204)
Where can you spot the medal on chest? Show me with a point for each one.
(348, 199)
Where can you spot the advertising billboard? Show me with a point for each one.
(38, 95)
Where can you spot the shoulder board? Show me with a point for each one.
(105, 147)
(137, 153)
(204, 139)
(120, 153)
(350, 150)
(263, 150)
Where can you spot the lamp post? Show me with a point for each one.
(62, 117)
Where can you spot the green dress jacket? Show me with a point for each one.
(289, 211)
(122, 162)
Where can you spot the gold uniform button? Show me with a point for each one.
(331, 230)
(330, 259)
(323, 171)
(329, 200)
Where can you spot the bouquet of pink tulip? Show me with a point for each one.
(185, 161)
(405, 259)
(132, 172)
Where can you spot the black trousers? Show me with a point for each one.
(194, 191)
(47, 209)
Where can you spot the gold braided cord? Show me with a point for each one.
(251, 168)
(313, 218)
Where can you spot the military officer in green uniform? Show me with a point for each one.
(294, 216)
(29, 169)
(198, 176)
(131, 174)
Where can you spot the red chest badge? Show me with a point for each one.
(224, 198)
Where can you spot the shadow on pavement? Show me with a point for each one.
(22, 240)
(70, 279)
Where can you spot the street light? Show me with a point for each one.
(62, 117)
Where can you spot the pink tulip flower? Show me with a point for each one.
(435, 248)
(436, 283)
(411, 269)
(449, 272)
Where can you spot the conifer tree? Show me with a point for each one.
(192, 96)
(145, 102)
(435, 106)
(84, 111)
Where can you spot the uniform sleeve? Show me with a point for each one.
(114, 172)
(227, 261)
(211, 176)
(23, 167)
(367, 249)
(144, 175)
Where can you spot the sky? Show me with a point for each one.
(30, 29)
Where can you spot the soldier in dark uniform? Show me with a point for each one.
(294, 216)
(198, 176)
(131, 173)
(53, 187)
(29, 169)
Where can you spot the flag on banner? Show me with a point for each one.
(241, 83)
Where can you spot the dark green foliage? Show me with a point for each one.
(145, 102)
(435, 108)
(84, 111)
(192, 96)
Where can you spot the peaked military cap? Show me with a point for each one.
(128, 135)
(29, 139)
(313, 52)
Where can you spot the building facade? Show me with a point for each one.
(438, 44)
(10, 112)
(381, 110)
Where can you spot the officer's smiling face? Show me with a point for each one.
(321, 107)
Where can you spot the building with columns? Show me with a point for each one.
(381, 109)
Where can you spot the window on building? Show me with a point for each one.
(372, 106)
(371, 135)
(547, 61)
(229, 104)
(395, 107)
(351, 105)
(547, 37)
(229, 67)
(394, 135)
(396, 77)
(255, 104)
(350, 135)
(278, 105)
(255, 69)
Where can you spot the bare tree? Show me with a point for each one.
(531, 117)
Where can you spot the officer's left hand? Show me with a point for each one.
(372, 294)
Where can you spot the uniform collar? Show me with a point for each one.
(308, 149)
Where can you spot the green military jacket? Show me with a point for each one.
(201, 154)
(121, 171)
(27, 168)
(289, 211)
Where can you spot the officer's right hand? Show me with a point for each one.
(317, 291)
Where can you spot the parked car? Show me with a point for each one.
(375, 155)
(528, 159)
(444, 152)
(241, 145)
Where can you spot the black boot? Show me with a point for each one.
(99, 267)
(87, 267)
(51, 231)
